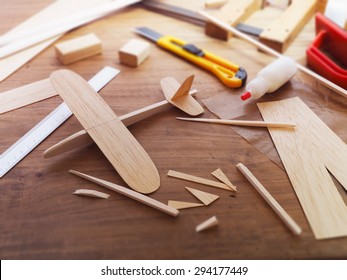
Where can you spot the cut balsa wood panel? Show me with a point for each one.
(205, 197)
(183, 205)
(199, 180)
(307, 152)
(91, 193)
(209, 223)
(219, 174)
(129, 193)
(290, 223)
(178, 95)
(113, 138)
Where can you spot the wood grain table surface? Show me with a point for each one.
(40, 217)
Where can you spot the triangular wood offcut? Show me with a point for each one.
(211, 222)
(178, 95)
(219, 174)
(204, 197)
(183, 205)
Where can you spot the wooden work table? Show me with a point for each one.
(41, 219)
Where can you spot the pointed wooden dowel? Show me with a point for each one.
(116, 142)
(240, 122)
(82, 138)
(199, 180)
(178, 95)
(219, 174)
(205, 197)
(129, 193)
(183, 205)
(290, 223)
(91, 193)
(209, 223)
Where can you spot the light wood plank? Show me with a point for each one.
(289, 222)
(113, 138)
(219, 174)
(240, 122)
(205, 197)
(178, 95)
(209, 223)
(183, 205)
(199, 180)
(91, 193)
(307, 152)
(130, 193)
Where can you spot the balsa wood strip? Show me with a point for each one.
(183, 205)
(91, 193)
(25, 95)
(81, 138)
(178, 95)
(209, 223)
(219, 174)
(240, 122)
(130, 193)
(307, 152)
(205, 197)
(289, 222)
(113, 138)
(195, 179)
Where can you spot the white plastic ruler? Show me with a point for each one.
(51, 122)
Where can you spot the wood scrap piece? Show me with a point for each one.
(91, 193)
(282, 31)
(307, 152)
(214, 4)
(78, 48)
(129, 193)
(183, 205)
(134, 52)
(178, 95)
(219, 174)
(209, 223)
(113, 138)
(289, 222)
(205, 197)
(25, 95)
(199, 180)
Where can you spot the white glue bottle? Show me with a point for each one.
(270, 78)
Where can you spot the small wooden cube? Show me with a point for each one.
(134, 52)
(78, 48)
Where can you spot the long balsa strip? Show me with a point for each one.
(130, 193)
(91, 193)
(290, 223)
(240, 122)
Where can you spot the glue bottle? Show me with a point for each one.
(270, 78)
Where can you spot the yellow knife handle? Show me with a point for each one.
(229, 73)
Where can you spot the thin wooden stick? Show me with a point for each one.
(240, 122)
(209, 223)
(91, 193)
(129, 193)
(199, 180)
(272, 52)
(290, 223)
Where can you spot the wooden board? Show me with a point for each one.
(307, 153)
(113, 138)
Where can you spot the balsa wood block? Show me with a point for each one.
(282, 31)
(307, 153)
(195, 179)
(78, 48)
(91, 193)
(219, 174)
(205, 197)
(209, 223)
(112, 137)
(289, 222)
(134, 52)
(178, 95)
(130, 193)
(183, 205)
